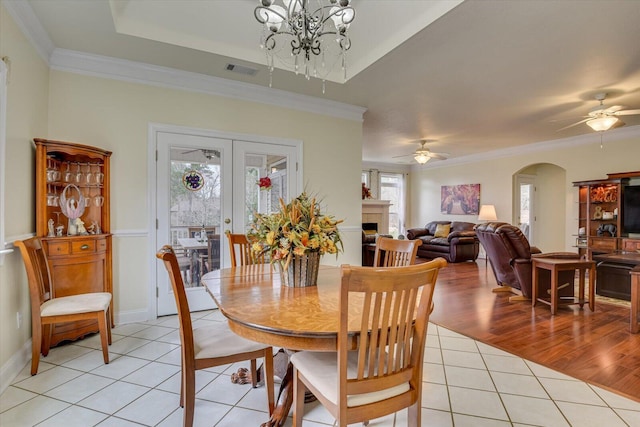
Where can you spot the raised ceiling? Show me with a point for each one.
(476, 76)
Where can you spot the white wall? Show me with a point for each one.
(115, 115)
(27, 108)
(576, 159)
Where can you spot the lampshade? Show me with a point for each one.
(421, 158)
(602, 123)
(487, 213)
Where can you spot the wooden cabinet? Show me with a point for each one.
(599, 225)
(630, 245)
(600, 213)
(74, 178)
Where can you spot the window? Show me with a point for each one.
(392, 189)
(365, 178)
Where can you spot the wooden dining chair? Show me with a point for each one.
(384, 375)
(240, 250)
(209, 346)
(395, 253)
(47, 310)
(213, 254)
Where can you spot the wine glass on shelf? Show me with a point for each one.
(88, 176)
(51, 173)
(56, 171)
(99, 176)
(79, 176)
(68, 175)
(51, 196)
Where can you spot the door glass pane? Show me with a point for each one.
(265, 197)
(195, 211)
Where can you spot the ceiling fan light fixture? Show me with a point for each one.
(421, 158)
(602, 123)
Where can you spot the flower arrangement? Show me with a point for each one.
(298, 228)
(264, 183)
(366, 193)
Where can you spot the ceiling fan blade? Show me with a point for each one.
(191, 151)
(613, 109)
(404, 155)
(439, 156)
(626, 112)
(575, 124)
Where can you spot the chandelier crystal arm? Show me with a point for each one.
(309, 34)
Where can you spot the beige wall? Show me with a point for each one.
(26, 117)
(555, 171)
(115, 115)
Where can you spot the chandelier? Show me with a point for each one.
(306, 38)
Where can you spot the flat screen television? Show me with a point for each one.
(631, 209)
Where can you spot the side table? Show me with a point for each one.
(635, 300)
(556, 265)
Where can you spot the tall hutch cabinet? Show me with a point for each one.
(599, 215)
(72, 180)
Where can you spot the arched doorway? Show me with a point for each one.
(539, 205)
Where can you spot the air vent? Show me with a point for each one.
(241, 69)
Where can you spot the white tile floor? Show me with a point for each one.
(466, 383)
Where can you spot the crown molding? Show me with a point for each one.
(30, 25)
(138, 72)
(555, 144)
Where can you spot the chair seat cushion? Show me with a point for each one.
(321, 369)
(217, 340)
(74, 304)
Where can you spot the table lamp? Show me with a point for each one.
(487, 213)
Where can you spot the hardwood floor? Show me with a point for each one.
(594, 347)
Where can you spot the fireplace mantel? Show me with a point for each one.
(377, 211)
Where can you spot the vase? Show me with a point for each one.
(302, 271)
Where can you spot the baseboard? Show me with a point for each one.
(14, 365)
(131, 316)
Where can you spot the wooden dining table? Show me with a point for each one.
(259, 308)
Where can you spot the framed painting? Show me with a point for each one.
(460, 199)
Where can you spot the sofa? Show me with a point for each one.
(455, 241)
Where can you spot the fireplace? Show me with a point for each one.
(376, 212)
(370, 226)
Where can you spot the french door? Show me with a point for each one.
(206, 186)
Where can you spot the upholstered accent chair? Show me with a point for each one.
(510, 257)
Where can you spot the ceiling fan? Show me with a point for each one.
(208, 154)
(602, 117)
(422, 155)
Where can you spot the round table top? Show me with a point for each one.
(260, 308)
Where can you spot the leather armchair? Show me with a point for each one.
(510, 256)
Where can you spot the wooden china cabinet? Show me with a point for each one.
(78, 251)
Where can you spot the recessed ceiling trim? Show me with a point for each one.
(137, 72)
